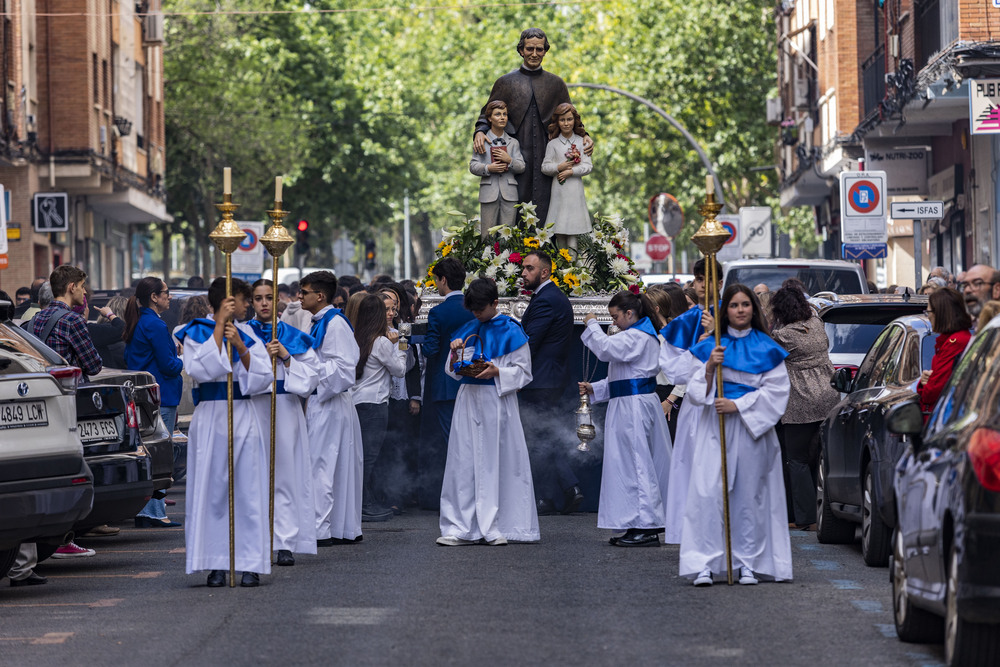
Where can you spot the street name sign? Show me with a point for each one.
(916, 210)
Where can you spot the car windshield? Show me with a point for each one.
(851, 337)
(927, 351)
(21, 344)
(816, 279)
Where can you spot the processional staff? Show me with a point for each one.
(277, 240)
(710, 238)
(227, 237)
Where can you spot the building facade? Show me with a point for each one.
(884, 85)
(82, 116)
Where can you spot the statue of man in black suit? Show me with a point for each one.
(548, 321)
(531, 94)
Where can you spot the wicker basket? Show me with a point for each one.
(477, 366)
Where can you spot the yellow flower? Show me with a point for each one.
(531, 242)
(555, 280)
(571, 280)
(566, 255)
(445, 250)
(442, 245)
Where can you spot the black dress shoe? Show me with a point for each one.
(638, 539)
(285, 557)
(545, 508)
(31, 580)
(574, 497)
(250, 580)
(332, 541)
(216, 578)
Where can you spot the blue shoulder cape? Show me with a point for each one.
(754, 353)
(295, 341)
(318, 331)
(498, 337)
(645, 326)
(199, 330)
(684, 330)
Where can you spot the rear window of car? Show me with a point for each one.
(816, 279)
(851, 337)
(852, 330)
(21, 352)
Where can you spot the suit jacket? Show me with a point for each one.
(493, 186)
(443, 321)
(548, 321)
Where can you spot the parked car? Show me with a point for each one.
(859, 454)
(853, 322)
(45, 484)
(657, 278)
(818, 275)
(947, 487)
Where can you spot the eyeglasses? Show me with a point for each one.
(304, 292)
(928, 311)
(978, 283)
(163, 291)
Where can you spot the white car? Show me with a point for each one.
(818, 275)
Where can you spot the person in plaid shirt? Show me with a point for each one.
(69, 337)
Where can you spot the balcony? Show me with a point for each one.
(873, 81)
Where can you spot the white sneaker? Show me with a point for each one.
(746, 577)
(704, 578)
(499, 542)
(450, 541)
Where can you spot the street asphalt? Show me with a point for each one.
(398, 599)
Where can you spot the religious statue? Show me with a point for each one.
(568, 164)
(497, 169)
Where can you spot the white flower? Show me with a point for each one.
(619, 266)
(629, 278)
(615, 220)
(505, 232)
(585, 277)
(511, 269)
(622, 236)
(447, 235)
(487, 253)
(544, 236)
(528, 208)
(577, 291)
(457, 214)
(504, 256)
(469, 278)
(598, 235)
(530, 219)
(494, 229)
(491, 271)
(608, 248)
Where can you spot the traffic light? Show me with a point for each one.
(370, 255)
(302, 238)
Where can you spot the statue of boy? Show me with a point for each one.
(497, 169)
(532, 94)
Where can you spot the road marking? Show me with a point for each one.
(925, 660)
(109, 602)
(846, 585)
(811, 547)
(47, 638)
(140, 575)
(180, 550)
(869, 606)
(825, 565)
(888, 630)
(349, 615)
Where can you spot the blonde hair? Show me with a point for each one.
(117, 305)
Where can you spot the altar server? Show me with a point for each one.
(294, 509)
(636, 440)
(487, 495)
(755, 386)
(206, 530)
(334, 430)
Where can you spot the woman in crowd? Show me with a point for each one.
(755, 390)
(637, 443)
(668, 302)
(380, 360)
(150, 347)
(951, 321)
(800, 331)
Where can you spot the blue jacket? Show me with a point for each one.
(152, 349)
(443, 321)
(548, 321)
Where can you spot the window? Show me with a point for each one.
(95, 78)
(873, 367)
(954, 405)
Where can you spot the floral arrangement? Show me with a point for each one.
(599, 264)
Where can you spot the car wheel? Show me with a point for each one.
(876, 538)
(912, 624)
(829, 528)
(7, 559)
(966, 643)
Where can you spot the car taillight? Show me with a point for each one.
(154, 394)
(133, 418)
(79, 480)
(984, 452)
(67, 376)
(854, 369)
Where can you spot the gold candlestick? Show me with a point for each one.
(276, 240)
(227, 237)
(710, 238)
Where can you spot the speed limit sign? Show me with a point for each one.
(755, 229)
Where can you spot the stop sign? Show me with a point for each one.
(658, 247)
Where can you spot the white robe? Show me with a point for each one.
(294, 507)
(487, 490)
(206, 528)
(758, 516)
(335, 436)
(677, 364)
(637, 443)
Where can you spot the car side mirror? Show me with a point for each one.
(6, 310)
(905, 419)
(842, 380)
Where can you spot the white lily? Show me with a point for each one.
(629, 278)
(494, 229)
(528, 208)
(457, 214)
(447, 235)
(505, 232)
(487, 253)
(577, 291)
(544, 236)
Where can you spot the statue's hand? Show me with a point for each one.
(479, 142)
(588, 145)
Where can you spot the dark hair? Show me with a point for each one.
(795, 283)
(322, 281)
(482, 292)
(756, 321)
(689, 293)
(283, 288)
(21, 291)
(789, 305)
(63, 276)
(196, 282)
(493, 106)
(342, 293)
(532, 33)
(144, 291)
(194, 307)
(667, 301)
(401, 297)
(36, 285)
(354, 289)
(562, 110)
(217, 291)
(699, 269)
(348, 280)
(543, 258)
(381, 279)
(640, 304)
(950, 314)
(452, 271)
(263, 281)
(369, 324)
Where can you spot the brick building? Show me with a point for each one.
(887, 82)
(82, 114)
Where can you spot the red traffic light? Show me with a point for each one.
(303, 225)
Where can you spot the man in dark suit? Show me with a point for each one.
(440, 391)
(548, 321)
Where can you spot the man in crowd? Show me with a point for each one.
(25, 310)
(548, 322)
(979, 287)
(23, 295)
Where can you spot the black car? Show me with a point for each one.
(859, 454)
(947, 487)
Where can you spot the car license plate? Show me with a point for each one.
(23, 414)
(97, 430)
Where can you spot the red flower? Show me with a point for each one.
(633, 288)
(496, 248)
(621, 256)
(515, 257)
